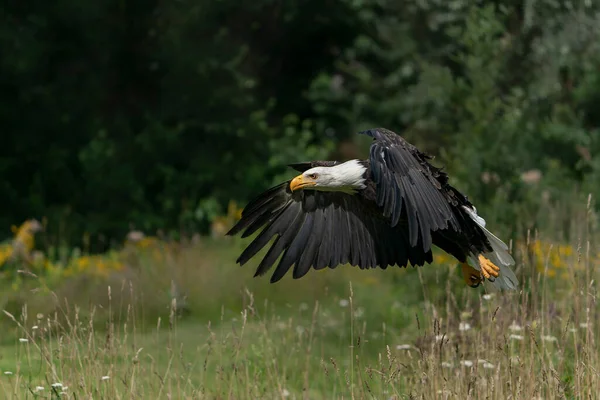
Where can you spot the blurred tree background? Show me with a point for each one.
(154, 115)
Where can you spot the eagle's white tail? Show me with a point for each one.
(499, 255)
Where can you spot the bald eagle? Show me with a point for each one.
(384, 211)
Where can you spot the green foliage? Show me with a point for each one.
(156, 115)
(505, 92)
(157, 118)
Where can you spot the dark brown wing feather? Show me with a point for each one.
(315, 229)
(408, 186)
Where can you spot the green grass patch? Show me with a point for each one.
(195, 325)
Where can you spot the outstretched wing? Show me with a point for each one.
(321, 229)
(408, 186)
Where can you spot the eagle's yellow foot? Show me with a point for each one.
(471, 276)
(488, 269)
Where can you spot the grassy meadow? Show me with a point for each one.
(119, 116)
(182, 320)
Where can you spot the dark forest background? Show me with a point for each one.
(155, 114)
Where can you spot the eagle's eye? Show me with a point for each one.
(313, 176)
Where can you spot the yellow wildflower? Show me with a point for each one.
(233, 211)
(549, 257)
(6, 252)
(25, 234)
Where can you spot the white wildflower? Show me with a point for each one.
(23, 340)
(57, 385)
(285, 393)
(105, 377)
(584, 325)
(440, 337)
(464, 326)
(404, 347)
(515, 327)
(515, 337)
(573, 330)
(549, 338)
(34, 327)
(488, 365)
(466, 363)
(446, 364)
(488, 296)
(39, 388)
(344, 303)
(7, 373)
(300, 330)
(303, 306)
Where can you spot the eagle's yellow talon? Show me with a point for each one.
(488, 268)
(474, 278)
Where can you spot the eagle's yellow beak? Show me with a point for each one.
(300, 182)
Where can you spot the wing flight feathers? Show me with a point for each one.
(408, 187)
(314, 229)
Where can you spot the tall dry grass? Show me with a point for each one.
(197, 326)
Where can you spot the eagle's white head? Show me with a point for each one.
(345, 177)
